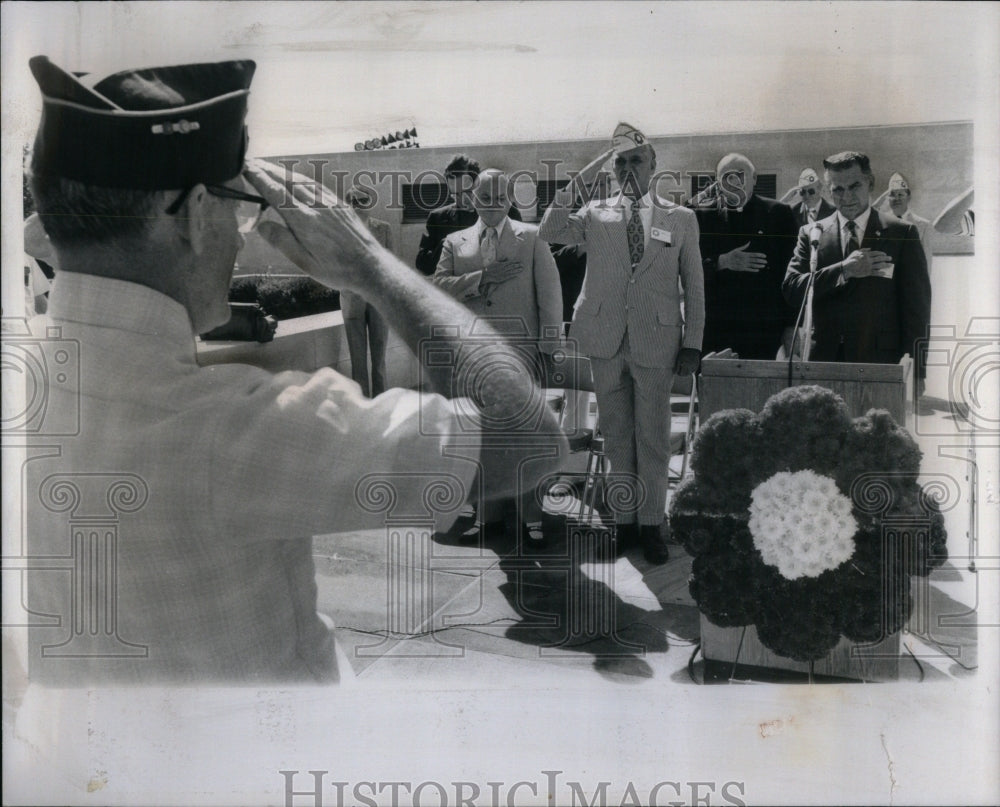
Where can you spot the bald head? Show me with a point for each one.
(490, 177)
(736, 176)
(491, 196)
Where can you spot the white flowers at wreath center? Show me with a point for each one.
(801, 523)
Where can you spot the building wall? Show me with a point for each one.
(935, 157)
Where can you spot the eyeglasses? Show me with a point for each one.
(807, 191)
(248, 211)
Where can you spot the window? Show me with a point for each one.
(767, 184)
(546, 190)
(421, 199)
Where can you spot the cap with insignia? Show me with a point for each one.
(153, 129)
(626, 138)
(808, 178)
(897, 182)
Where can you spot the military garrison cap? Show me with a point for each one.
(897, 182)
(151, 129)
(808, 178)
(626, 138)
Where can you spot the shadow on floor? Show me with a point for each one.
(573, 596)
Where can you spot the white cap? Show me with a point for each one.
(897, 182)
(626, 138)
(808, 178)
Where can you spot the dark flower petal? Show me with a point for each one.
(802, 427)
(877, 450)
(723, 460)
(722, 584)
(873, 460)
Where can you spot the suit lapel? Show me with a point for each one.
(660, 220)
(873, 231)
(511, 240)
(830, 249)
(468, 252)
(754, 214)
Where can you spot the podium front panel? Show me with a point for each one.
(747, 384)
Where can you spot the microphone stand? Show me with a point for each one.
(807, 324)
(806, 309)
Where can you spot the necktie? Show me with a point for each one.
(852, 240)
(812, 215)
(635, 237)
(489, 246)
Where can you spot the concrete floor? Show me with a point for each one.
(460, 608)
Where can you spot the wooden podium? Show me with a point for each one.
(729, 383)
(747, 384)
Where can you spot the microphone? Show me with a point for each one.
(814, 233)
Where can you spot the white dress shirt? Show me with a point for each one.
(845, 234)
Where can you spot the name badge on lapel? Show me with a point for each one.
(662, 236)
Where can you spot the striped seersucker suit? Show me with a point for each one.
(630, 323)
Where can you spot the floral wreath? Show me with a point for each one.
(806, 523)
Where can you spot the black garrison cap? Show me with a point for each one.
(152, 129)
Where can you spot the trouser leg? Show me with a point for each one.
(357, 347)
(652, 437)
(378, 336)
(613, 387)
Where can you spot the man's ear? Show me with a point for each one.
(192, 218)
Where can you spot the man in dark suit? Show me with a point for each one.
(872, 291)
(746, 242)
(812, 206)
(458, 214)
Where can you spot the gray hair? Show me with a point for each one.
(75, 214)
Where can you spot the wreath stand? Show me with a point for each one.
(728, 383)
(737, 653)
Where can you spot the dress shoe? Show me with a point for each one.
(531, 544)
(626, 536)
(494, 530)
(654, 543)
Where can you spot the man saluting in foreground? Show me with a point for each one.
(222, 473)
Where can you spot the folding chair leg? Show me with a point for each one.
(596, 470)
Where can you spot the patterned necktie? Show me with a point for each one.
(852, 241)
(489, 246)
(635, 237)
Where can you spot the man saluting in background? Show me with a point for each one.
(628, 318)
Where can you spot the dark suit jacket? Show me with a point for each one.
(442, 222)
(746, 310)
(802, 218)
(865, 319)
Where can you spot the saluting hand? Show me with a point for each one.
(321, 234)
(590, 171)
